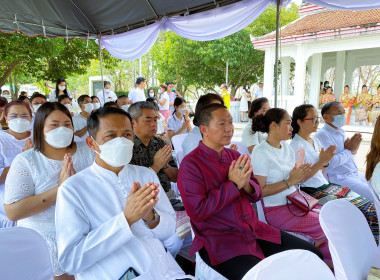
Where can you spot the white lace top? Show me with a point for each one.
(375, 180)
(10, 147)
(32, 173)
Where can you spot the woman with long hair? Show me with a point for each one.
(179, 122)
(60, 89)
(245, 98)
(372, 172)
(35, 175)
(375, 112)
(274, 166)
(305, 121)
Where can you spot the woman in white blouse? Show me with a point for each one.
(252, 138)
(274, 167)
(163, 101)
(13, 141)
(179, 122)
(305, 121)
(35, 175)
(373, 160)
(60, 89)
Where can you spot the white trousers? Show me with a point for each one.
(174, 244)
(356, 183)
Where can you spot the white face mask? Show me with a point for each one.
(61, 88)
(107, 90)
(69, 107)
(36, 106)
(19, 125)
(151, 94)
(183, 111)
(116, 152)
(88, 107)
(60, 137)
(96, 106)
(125, 107)
(159, 90)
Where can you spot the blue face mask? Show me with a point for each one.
(339, 120)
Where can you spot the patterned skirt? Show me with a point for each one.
(361, 113)
(375, 113)
(328, 192)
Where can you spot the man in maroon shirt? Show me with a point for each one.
(217, 188)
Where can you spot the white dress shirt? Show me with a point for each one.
(174, 124)
(191, 141)
(79, 123)
(136, 95)
(311, 156)
(94, 238)
(343, 163)
(109, 94)
(165, 96)
(275, 164)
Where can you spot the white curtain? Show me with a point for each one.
(209, 25)
(348, 4)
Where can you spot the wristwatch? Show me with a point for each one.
(327, 165)
(156, 217)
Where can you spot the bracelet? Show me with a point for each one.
(327, 165)
(166, 167)
(156, 217)
(287, 185)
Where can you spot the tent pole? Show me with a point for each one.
(101, 66)
(276, 57)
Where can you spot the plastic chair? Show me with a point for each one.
(291, 265)
(177, 144)
(24, 255)
(202, 270)
(351, 243)
(242, 148)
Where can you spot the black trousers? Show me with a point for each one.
(237, 267)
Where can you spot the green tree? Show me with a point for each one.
(202, 65)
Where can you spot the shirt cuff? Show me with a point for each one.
(166, 226)
(121, 220)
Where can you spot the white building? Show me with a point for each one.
(319, 40)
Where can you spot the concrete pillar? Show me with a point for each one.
(285, 75)
(299, 77)
(316, 65)
(339, 73)
(350, 68)
(269, 72)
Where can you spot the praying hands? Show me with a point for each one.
(240, 172)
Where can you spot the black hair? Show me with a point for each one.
(111, 104)
(378, 86)
(63, 97)
(93, 97)
(299, 113)
(326, 82)
(93, 120)
(364, 86)
(35, 95)
(205, 114)
(151, 89)
(178, 101)
(39, 121)
(246, 87)
(262, 122)
(22, 98)
(152, 99)
(122, 96)
(3, 101)
(82, 97)
(60, 80)
(327, 106)
(346, 86)
(256, 106)
(140, 80)
(106, 83)
(205, 100)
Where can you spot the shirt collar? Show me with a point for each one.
(212, 153)
(101, 171)
(176, 118)
(139, 143)
(330, 129)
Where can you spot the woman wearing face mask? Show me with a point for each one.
(35, 175)
(274, 166)
(12, 142)
(66, 101)
(95, 102)
(305, 121)
(252, 138)
(163, 101)
(80, 121)
(151, 93)
(179, 122)
(60, 89)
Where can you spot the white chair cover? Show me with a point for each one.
(376, 202)
(351, 243)
(24, 255)
(177, 141)
(291, 265)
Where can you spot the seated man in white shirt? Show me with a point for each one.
(112, 217)
(192, 139)
(80, 120)
(108, 94)
(138, 93)
(342, 169)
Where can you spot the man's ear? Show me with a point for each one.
(91, 143)
(134, 124)
(203, 129)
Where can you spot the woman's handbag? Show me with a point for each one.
(302, 201)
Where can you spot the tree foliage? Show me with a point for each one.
(203, 64)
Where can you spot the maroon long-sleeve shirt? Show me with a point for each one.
(222, 217)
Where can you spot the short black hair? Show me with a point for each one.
(111, 104)
(3, 101)
(326, 108)
(205, 114)
(205, 100)
(22, 98)
(106, 83)
(93, 120)
(122, 96)
(35, 95)
(93, 97)
(63, 97)
(82, 97)
(39, 121)
(140, 80)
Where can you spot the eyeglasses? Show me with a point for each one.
(314, 120)
(14, 116)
